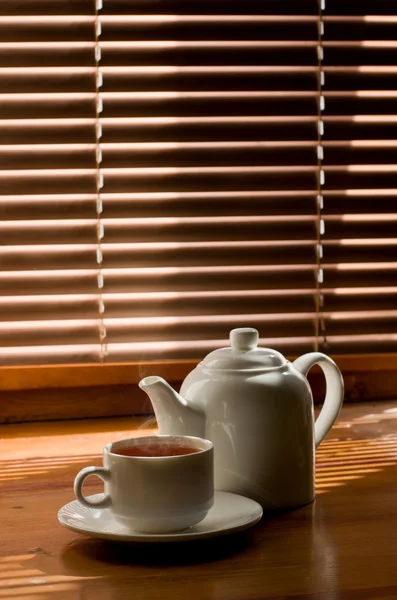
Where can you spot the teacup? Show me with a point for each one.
(156, 484)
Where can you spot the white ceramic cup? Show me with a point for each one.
(155, 494)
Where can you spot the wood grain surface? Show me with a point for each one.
(343, 546)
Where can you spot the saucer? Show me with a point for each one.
(230, 513)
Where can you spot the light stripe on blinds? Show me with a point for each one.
(206, 129)
(171, 170)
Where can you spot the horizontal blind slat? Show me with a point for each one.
(350, 127)
(360, 322)
(200, 78)
(47, 256)
(48, 355)
(370, 298)
(162, 254)
(348, 79)
(172, 204)
(209, 153)
(141, 330)
(184, 105)
(361, 52)
(231, 128)
(55, 281)
(360, 176)
(360, 250)
(183, 229)
(46, 7)
(157, 304)
(47, 79)
(185, 278)
(181, 53)
(48, 181)
(360, 226)
(54, 156)
(211, 203)
(48, 232)
(361, 344)
(146, 351)
(199, 53)
(208, 178)
(158, 279)
(227, 7)
(128, 330)
(357, 105)
(220, 277)
(118, 130)
(35, 110)
(362, 201)
(31, 28)
(209, 103)
(208, 27)
(340, 8)
(47, 157)
(37, 333)
(359, 152)
(46, 207)
(222, 253)
(361, 27)
(347, 273)
(46, 54)
(77, 7)
(50, 131)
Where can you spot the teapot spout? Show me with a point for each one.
(173, 414)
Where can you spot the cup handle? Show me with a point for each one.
(100, 472)
(334, 394)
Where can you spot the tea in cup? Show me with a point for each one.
(155, 484)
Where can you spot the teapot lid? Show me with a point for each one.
(243, 353)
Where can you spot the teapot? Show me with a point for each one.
(257, 409)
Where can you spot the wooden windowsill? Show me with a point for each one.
(87, 391)
(41, 377)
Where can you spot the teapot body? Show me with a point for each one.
(262, 428)
(257, 409)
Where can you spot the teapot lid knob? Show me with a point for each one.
(244, 339)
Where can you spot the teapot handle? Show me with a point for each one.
(334, 394)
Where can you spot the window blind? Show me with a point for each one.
(171, 170)
(360, 191)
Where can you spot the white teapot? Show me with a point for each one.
(257, 409)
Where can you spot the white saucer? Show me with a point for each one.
(229, 514)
